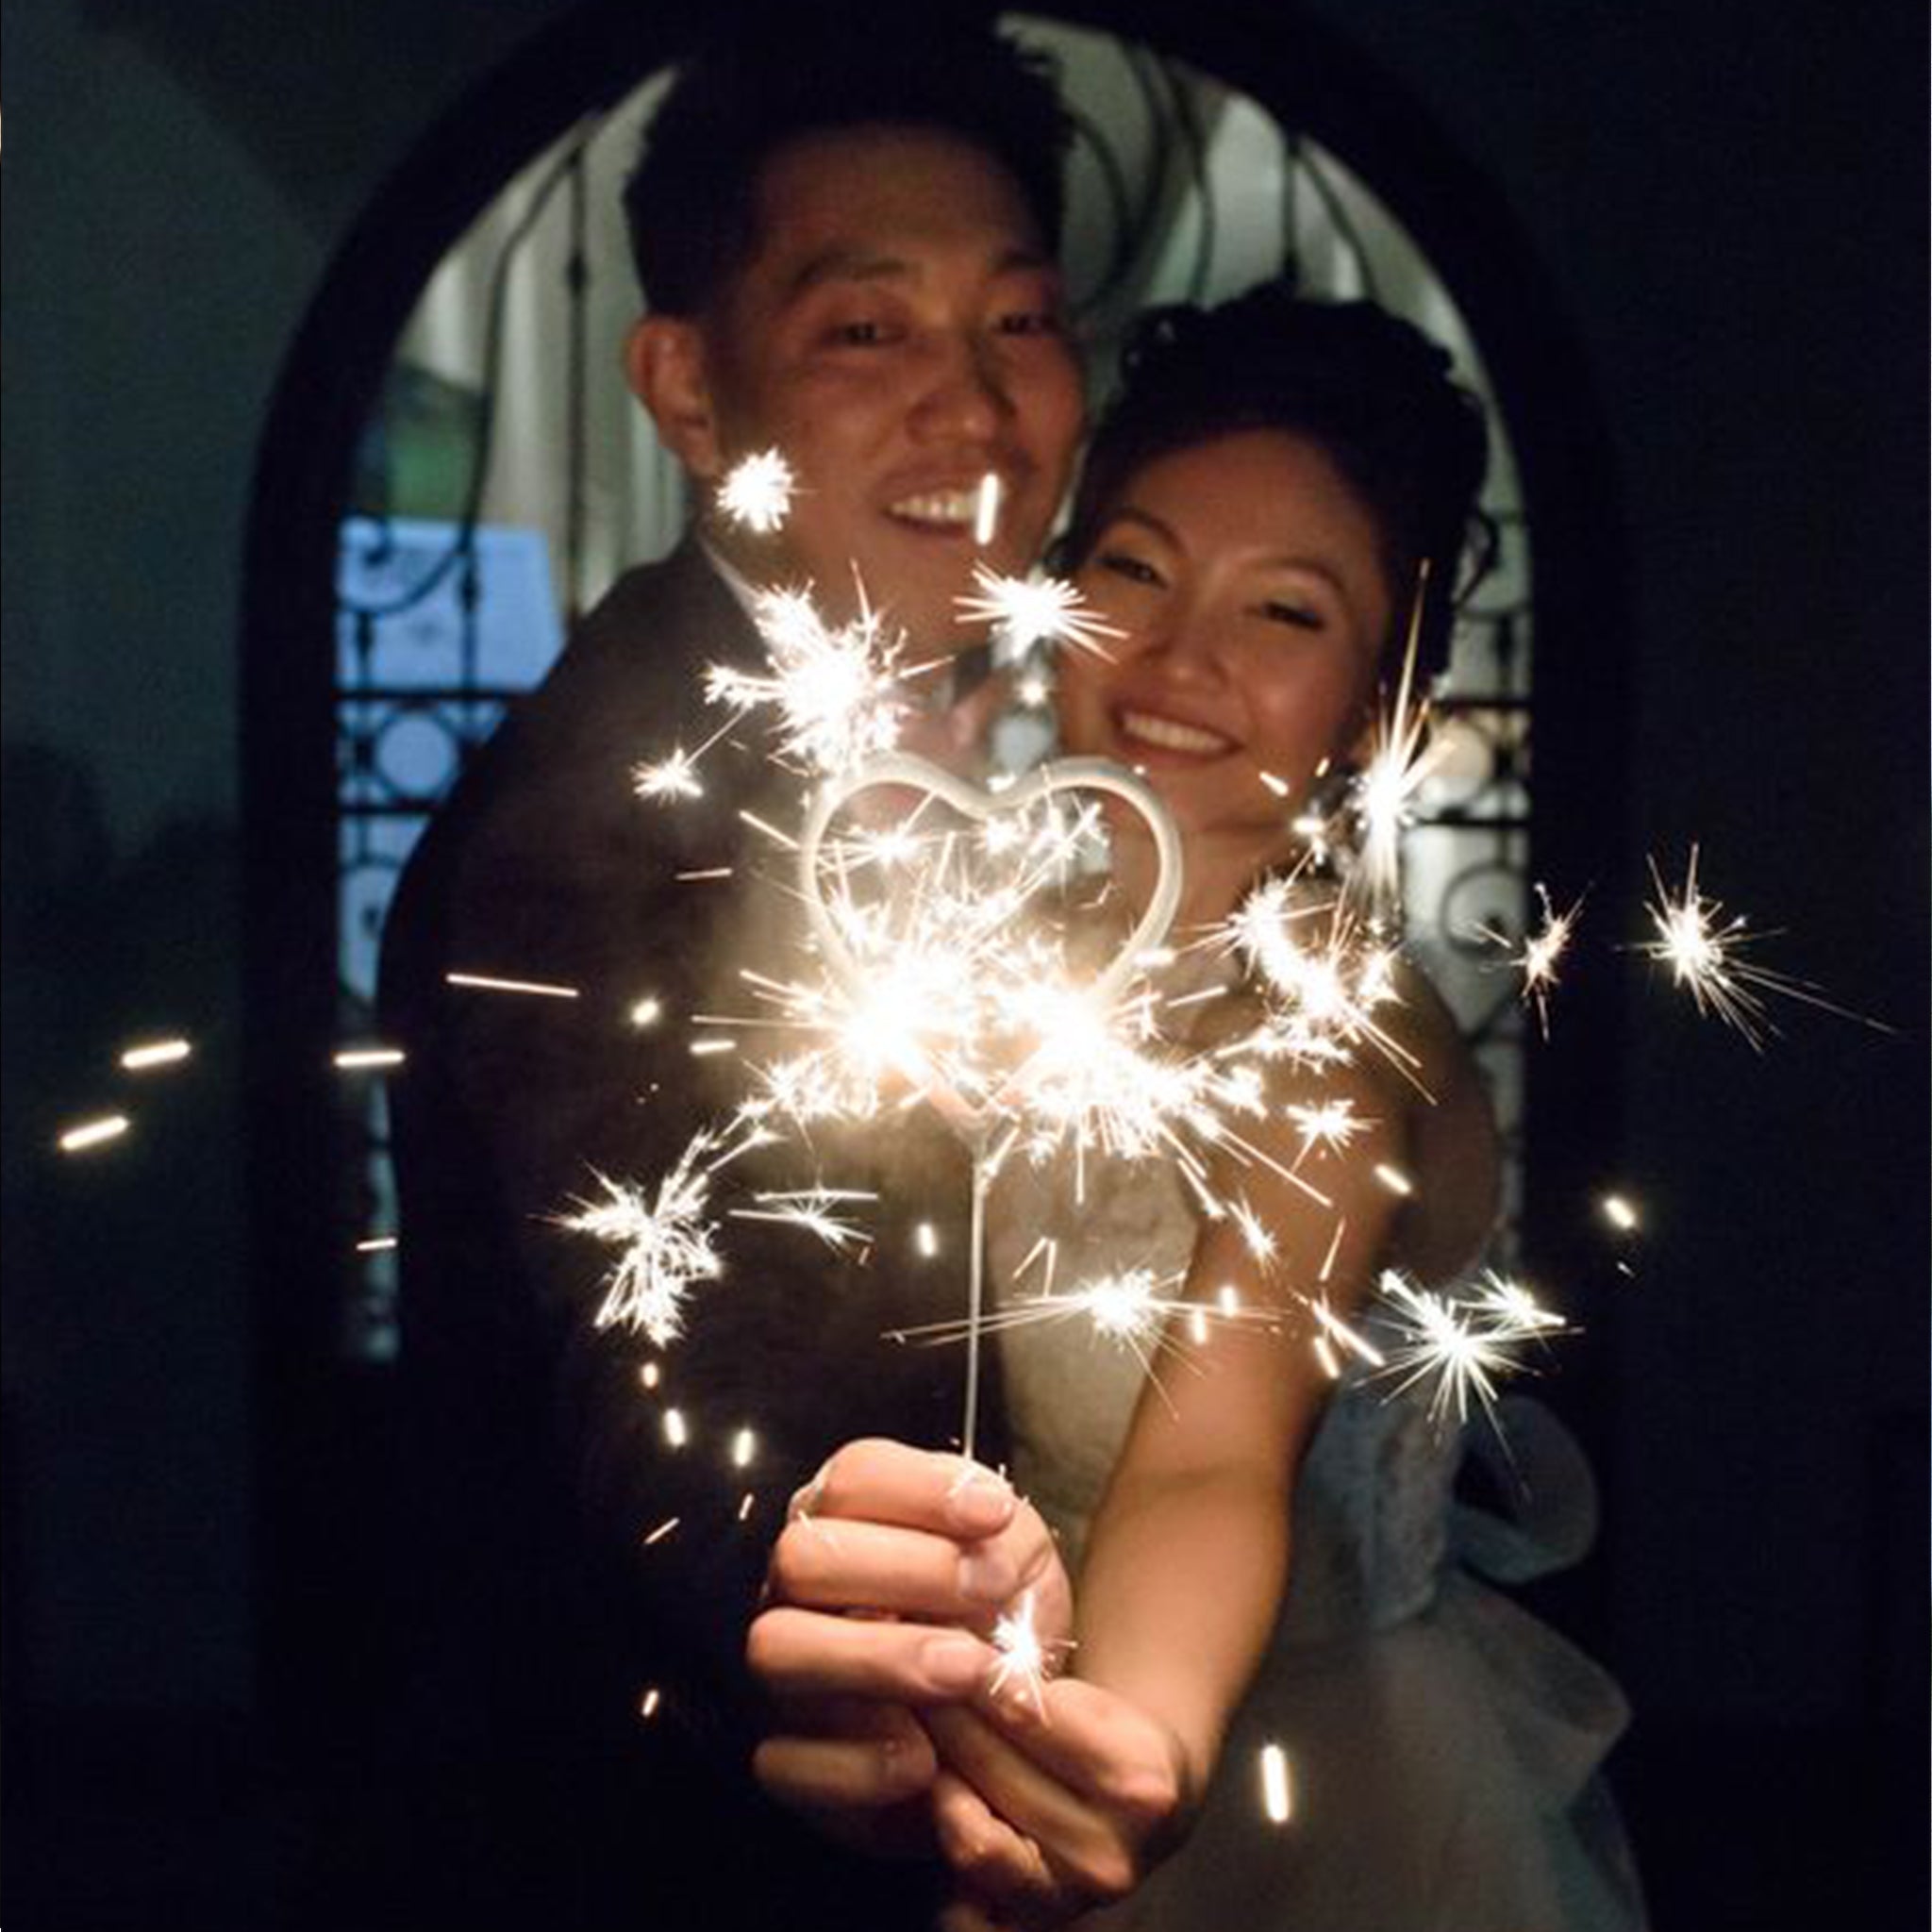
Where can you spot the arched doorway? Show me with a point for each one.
(1351, 152)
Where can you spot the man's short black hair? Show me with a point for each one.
(690, 201)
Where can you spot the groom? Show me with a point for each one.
(847, 244)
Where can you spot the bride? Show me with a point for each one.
(1277, 506)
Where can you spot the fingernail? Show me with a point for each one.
(986, 1578)
(953, 1662)
(982, 1502)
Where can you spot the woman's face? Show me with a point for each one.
(1247, 577)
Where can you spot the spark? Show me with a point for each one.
(1542, 953)
(1393, 1179)
(815, 1211)
(676, 1430)
(1397, 767)
(1130, 1307)
(746, 1504)
(536, 989)
(1460, 1346)
(925, 1239)
(94, 1133)
(703, 874)
(985, 512)
(376, 1244)
(648, 1703)
(757, 491)
(1259, 1239)
(1329, 1125)
(670, 1523)
(350, 1059)
(1620, 1212)
(1026, 1659)
(1704, 952)
(155, 1053)
(744, 1449)
(1036, 610)
(1321, 991)
(649, 1374)
(836, 687)
(1277, 1800)
(668, 1239)
(671, 777)
(645, 1013)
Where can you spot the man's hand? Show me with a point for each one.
(882, 1589)
(1045, 1808)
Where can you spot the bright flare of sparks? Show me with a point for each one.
(1026, 1659)
(836, 687)
(1704, 952)
(1328, 1125)
(669, 1238)
(1460, 1346)
(1542, 954)
(1397, 767)
(757, 491)
(669, 778)
(1322, 973)
(1036, 610)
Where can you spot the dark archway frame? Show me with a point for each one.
(326, 1454)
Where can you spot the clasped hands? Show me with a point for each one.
(881, 1597)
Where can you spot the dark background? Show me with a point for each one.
(1725, 203)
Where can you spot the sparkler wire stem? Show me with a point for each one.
(976, 1293)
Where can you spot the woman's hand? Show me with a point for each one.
(1047, 1807)
(882, 1589)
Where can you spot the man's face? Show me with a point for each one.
(896, 333)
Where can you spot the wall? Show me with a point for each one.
(1728, 200)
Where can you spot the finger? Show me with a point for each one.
(892, 1763)
(799, 1653)
(1000, 1866)
(883, 1481)
(1091, 1742)
(1086, 1850)
(903, 1571)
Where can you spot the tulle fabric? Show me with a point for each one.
(1444, 1745)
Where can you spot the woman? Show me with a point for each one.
(1275, 507)
(1279, 503)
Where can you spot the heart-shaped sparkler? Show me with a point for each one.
(903, 770)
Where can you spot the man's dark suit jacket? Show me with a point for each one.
(537, 1460)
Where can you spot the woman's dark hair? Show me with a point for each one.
(690, 204)
(1376, 395)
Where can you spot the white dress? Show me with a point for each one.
(1443, 1745)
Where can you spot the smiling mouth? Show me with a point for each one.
(950, 511)
(1155, 733)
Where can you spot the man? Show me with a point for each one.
(847, 243)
